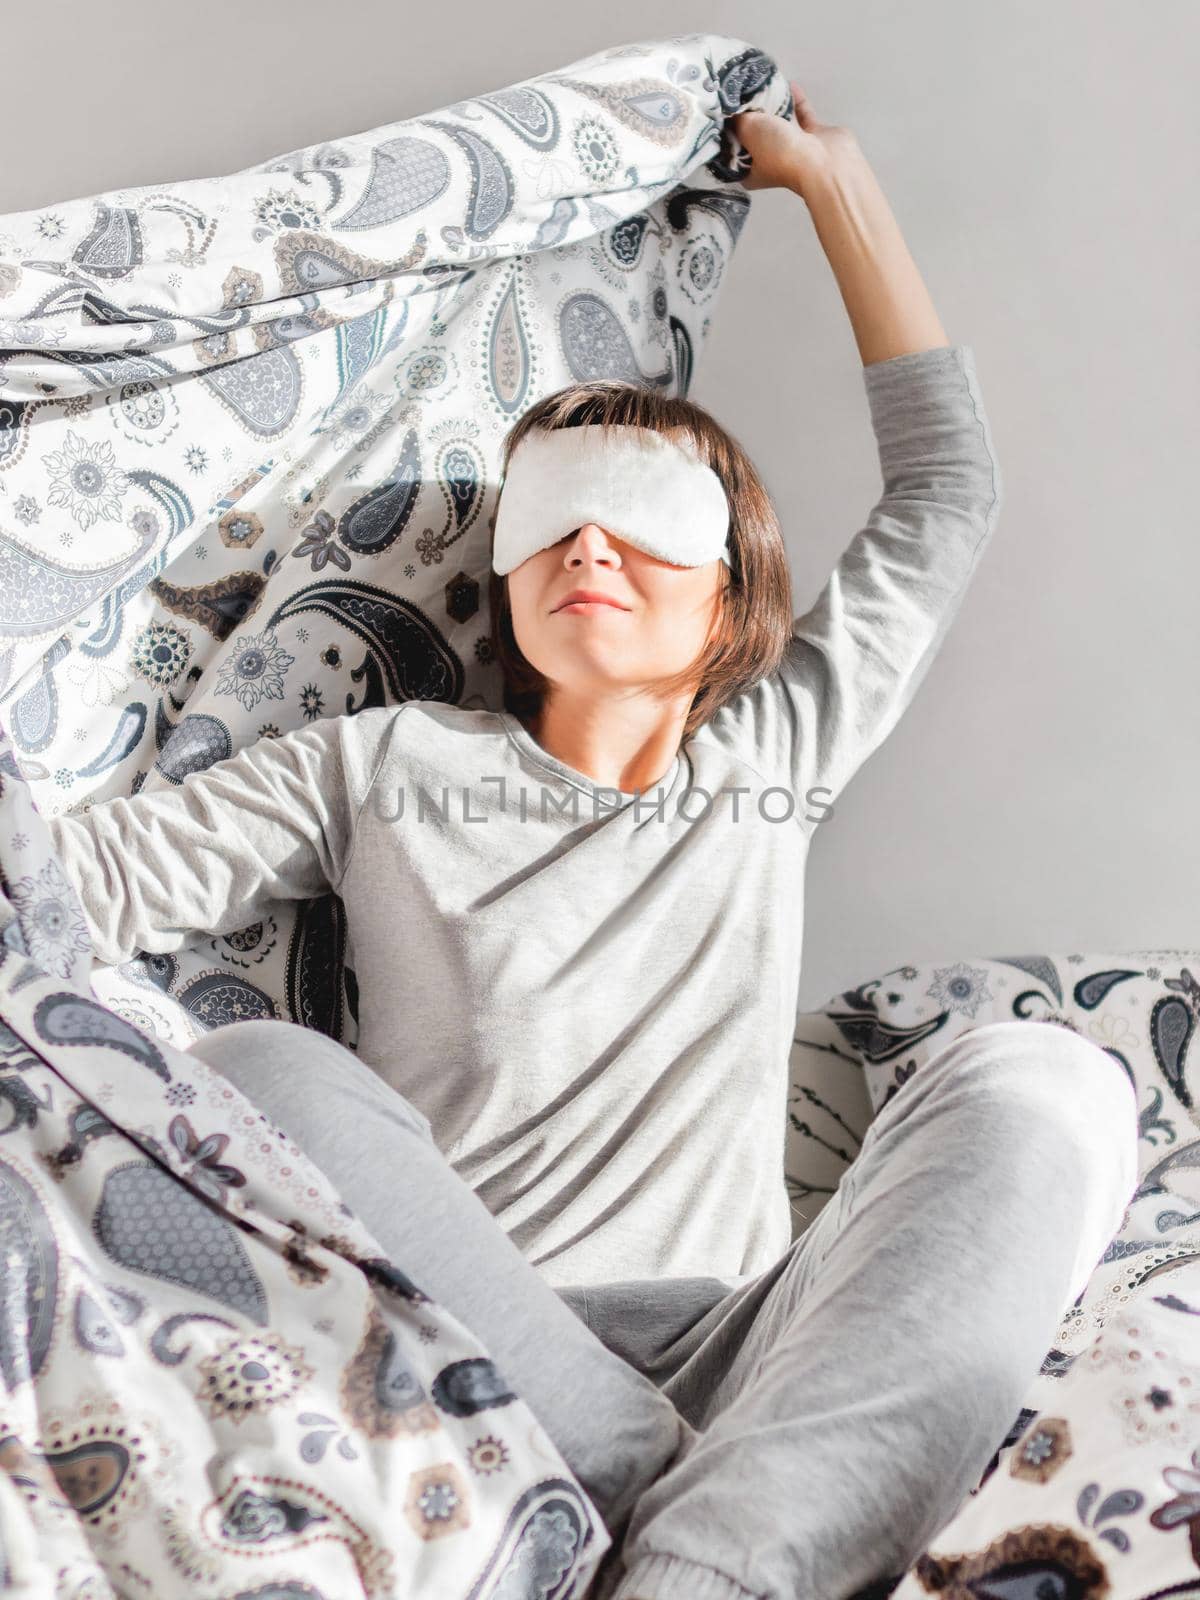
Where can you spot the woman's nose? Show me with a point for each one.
(591, 539)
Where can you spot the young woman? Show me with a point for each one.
(577, 934)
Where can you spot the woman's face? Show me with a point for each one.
(657, 620)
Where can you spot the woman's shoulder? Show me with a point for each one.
(455, 718)
(437, 729)
(412, 712)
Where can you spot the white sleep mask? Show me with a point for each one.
(636, 483)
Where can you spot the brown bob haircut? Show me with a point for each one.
(754, 604)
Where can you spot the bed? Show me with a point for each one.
(249, 437)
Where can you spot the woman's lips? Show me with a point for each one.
(590, 605)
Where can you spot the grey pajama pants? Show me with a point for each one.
(805, 1434)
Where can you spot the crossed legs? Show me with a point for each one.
(807, 1433)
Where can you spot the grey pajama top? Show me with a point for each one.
(591, 995)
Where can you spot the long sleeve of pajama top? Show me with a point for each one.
(590, 994)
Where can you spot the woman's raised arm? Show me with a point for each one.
(857, 657)
(885, 296)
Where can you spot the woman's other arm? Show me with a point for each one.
(274, 822)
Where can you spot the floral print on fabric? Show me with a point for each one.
(178, 1334)
(249, 435)
(250, 430)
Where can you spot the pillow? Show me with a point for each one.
(1141, 1006)
(1095, 1492)
(1098, 1493)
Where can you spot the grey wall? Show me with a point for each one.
(1040, 793)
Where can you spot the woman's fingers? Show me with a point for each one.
(805, 115)
(788, 152)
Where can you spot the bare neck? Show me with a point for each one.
(626, 743)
